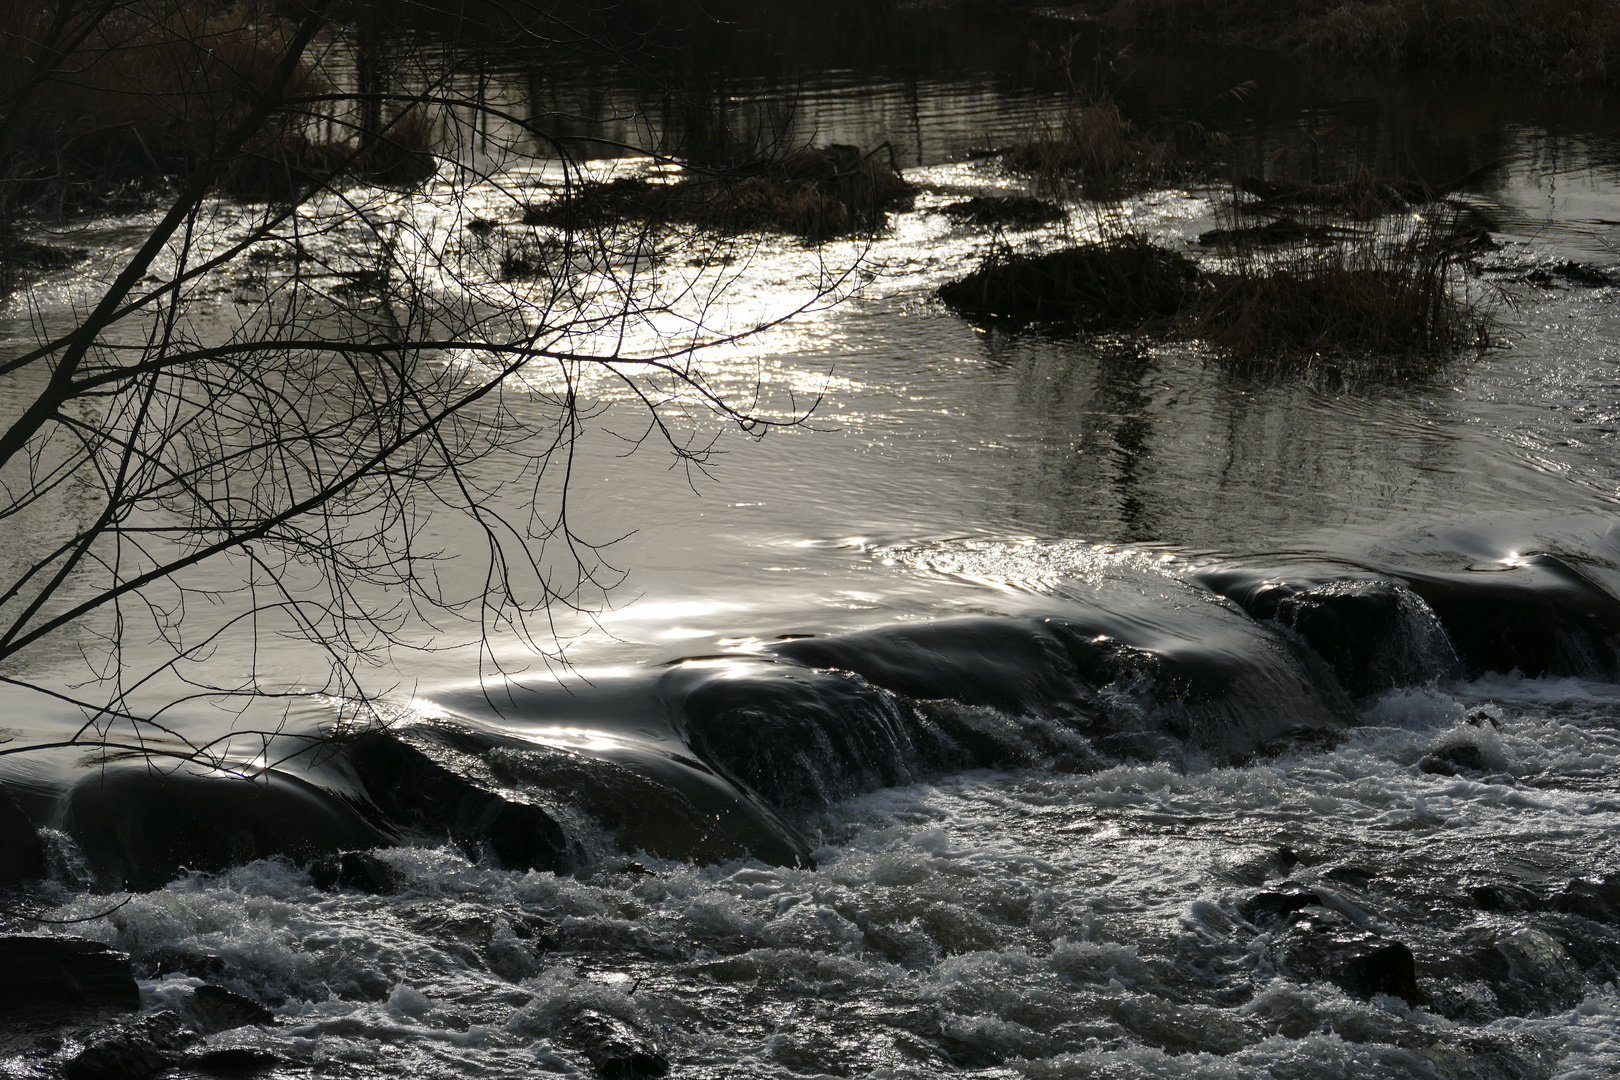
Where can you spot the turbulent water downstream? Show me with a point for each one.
(1046, 706)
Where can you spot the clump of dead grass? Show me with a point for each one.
(1126, 282)
(814, 193)
(1390, 305)
(1094, 152)
(1393, 300)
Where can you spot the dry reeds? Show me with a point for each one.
(149, 90)
(1094, 152)
(1390, 304)
(1394, 299)
(814, 193)
(1126, 282)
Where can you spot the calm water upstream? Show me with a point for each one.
(1045, 706)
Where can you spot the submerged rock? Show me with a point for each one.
(358, 870)
(1596, 898)
(1320, 944)
(614, 1048)
(140, 829)
(22, 854)
(133, 1051)
(412, 791)
(54, 975)
(218, 1009)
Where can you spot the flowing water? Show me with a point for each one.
(1045, 706)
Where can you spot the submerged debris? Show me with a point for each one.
(815, 194)
(1364, 196)
(1004, 210)
(1124, 282)
(1281, 231)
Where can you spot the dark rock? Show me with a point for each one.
(1324, 945)
(803, 738)
(1272, 907)
(1597, 899)
(1383, 968)
(168, 960)
(614, 1048)
(139, 828)
(1353, 876)
(1374, 634)
(234, 1060)
(134, 1051)
(1505, 897)
(1542, 616)
(1452, 760)
(1570, 272)
(1528, 970)
(22, 854)
(46, 975)
(358, 870)
(411, 790)
(117, 1059)
(218, 1009)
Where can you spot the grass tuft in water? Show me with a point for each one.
(1123, 282)
(1093, 152)
(814, 193)
(1392, 305)
(1378, 298)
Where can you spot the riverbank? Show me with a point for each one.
(1555, 41)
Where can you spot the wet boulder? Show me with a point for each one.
(616, 1049)
(1456, 759)
(216, 1009)
(1321, 944)
(412, 792)
(1275, 906)
(132, 1051)
(22, 854)
(1539, 615)
(1375, 635)
(1596, 898)
(802, 738)
(140, 828)
(232, 1061)
(1529, 971)
(1226, 687)
(56, 975)
(357, 870)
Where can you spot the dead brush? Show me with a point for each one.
(1126, 282)
(816, 194)
(1392, 304)
(1094, 152)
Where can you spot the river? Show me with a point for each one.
(1045, 705)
